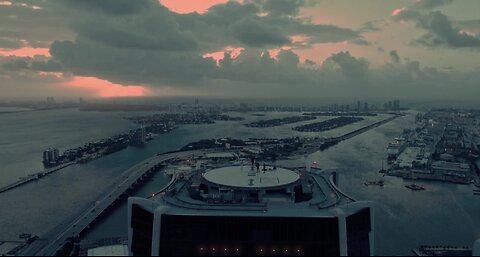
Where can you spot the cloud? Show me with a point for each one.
(93, 59)
(144, 42)
(361, 42)
(430, 4)
(9, 43)
(146, 24)
(255, 33)
(284, 7)
(440, 30)
(351, 66)
(394, 56)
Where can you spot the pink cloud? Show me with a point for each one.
(398, 11)
(104, 88)
(218, 56)
(6, 3)
(25, 51)
(57, 75)
(188, 6)
(274, 52)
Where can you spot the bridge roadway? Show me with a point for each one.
(126, 181)
(33, 177)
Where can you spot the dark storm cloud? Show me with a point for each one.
(394, 56)
(144, 42)
(255, 33)
(283, 7)
(139, 24)
(37, 27)
(254, 66)
(16, 64)
(351, 66)
(115, 7)
(88, 58)
(146, 24)
(440, 30)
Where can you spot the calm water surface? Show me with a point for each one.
(444, 214)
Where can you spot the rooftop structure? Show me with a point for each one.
(112, 250)
(250, 210)
(247, 177)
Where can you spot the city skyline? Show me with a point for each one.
(408, 49)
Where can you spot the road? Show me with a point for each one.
(127, 180)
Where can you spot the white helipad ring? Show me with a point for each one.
(244, 177)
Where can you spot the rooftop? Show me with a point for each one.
(113, 250)
(249, 177)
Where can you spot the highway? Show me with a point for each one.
(120, 186)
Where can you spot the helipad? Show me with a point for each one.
(244, 176)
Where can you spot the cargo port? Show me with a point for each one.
(443, 147)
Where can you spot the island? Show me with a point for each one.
(328, 124)
(279, 122)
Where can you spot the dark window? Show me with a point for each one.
(359, 227)
(142, 225)
(203, 235)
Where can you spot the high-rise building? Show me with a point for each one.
(396, 105)
(359, 106)
(250, 210)
(50, 156)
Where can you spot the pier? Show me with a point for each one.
(33, 177)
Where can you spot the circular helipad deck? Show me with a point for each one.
(244, 177)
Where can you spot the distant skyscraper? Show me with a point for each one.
(359, 106)
(396, 105)
(365, 107)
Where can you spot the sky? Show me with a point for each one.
(418, 49)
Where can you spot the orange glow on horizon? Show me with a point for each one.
(189, 6)
(26, 51)
(105, 88)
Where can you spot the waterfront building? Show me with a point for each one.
(50, 156)
(250, 210)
